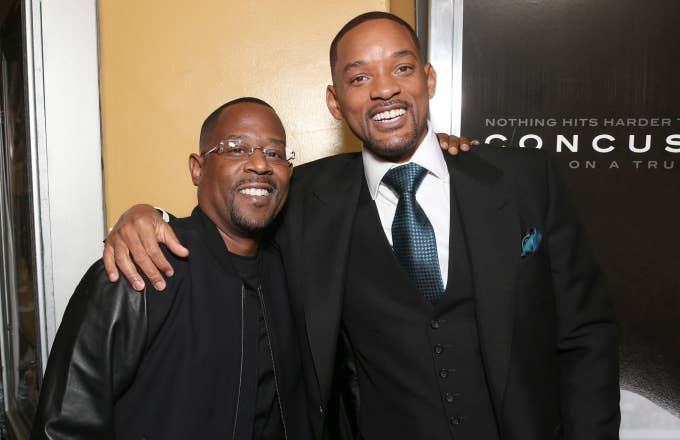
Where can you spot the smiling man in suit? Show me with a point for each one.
(439, 296)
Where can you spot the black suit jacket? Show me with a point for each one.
(548, 336)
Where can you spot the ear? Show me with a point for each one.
(431, 79)
(196, 167)
(332, 103)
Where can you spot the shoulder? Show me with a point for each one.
(336, 160)
(325, 168)
(528, 174)
(510, 159)
(522, 165)
(95, 289)
(98, 303)
(185, 228)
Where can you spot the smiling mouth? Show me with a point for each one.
(389, 115)
(258, 192)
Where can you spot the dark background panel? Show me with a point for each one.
(596, 62)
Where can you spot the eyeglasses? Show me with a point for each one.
(240, 149)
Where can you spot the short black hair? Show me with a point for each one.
(368, 16)
(211, 120)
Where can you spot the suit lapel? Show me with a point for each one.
(329, 212)
(490, 223)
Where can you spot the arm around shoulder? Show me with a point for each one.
(135, 237)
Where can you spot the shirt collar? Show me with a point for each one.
(428, 155)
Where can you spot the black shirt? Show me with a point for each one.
(257, 366)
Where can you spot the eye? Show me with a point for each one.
(404, 69)
(272, 154)
(358, 79)
(235, 151)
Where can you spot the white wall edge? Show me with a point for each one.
(39, 177)
(446, 55)
(71, 170)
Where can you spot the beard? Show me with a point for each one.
(250, 225)
(395, 147)
(255, 225)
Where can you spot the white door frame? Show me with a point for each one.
(65, 142)
(445, 52)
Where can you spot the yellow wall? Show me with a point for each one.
(166, 64)
(405, 9)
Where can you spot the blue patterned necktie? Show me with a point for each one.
(413, 238)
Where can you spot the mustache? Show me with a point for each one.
(258, 179)
(392, 102)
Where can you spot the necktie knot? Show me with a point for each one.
(405, 178)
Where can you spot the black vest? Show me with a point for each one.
(419, 366)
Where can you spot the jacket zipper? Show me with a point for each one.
(240, 378)
(271, 354)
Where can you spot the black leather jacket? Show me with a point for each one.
(151, 365)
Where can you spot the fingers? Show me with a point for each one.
(135, 237)
(167, 236)
(163, 233)
(141, 235)
(109, 263)
(454, 145)
(151, 260)
(464, 143)
(444, 142)
(121, 254)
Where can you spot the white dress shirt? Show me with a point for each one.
(433, 195)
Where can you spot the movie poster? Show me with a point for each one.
(597, 85)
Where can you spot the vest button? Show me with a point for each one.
(438, 349)
(435, 324)
(443, 373)
(457, 420)
(450, 397)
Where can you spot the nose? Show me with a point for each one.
(256, 163)
(384, 86)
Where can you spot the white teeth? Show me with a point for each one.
(254, 192)
(390, 114)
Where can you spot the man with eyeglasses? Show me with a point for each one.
(215, 355)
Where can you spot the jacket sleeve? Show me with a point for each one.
(94, 357)
(587, 333)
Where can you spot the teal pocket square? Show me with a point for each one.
(531, 241)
